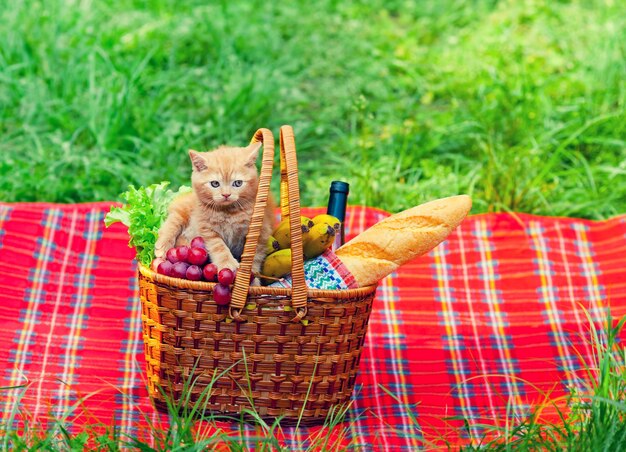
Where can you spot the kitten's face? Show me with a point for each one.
(226, 176)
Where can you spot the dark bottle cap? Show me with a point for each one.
(338, 199)
(339, 187)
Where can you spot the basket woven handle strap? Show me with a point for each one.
(242, 280)
(290, 208)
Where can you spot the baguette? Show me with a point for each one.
(381, 249)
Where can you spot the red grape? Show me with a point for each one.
(182, 252)
(172, 256)
(179, 270)
(210, 272)
(221, 294)
(226, 276)
(197, 256)
(165, 268)
(194, 273)
(198, 242)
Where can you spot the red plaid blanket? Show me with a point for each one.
(490, 321)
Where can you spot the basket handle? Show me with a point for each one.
(242, 279)
(290, 208)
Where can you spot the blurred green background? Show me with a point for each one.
(519, 103)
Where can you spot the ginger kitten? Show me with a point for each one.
(219, 208)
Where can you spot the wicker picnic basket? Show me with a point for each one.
(256, 353)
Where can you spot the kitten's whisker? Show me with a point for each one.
(209, 204)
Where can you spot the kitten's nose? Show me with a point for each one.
(226, 195)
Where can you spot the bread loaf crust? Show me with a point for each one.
(381, 249)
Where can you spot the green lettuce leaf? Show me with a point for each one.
(143, 212)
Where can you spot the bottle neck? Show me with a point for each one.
(337, 205)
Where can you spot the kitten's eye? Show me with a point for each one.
(215, 184)
(237, 183)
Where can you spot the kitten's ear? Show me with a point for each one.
(253, 153)
(198, 162)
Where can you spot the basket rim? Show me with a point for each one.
(203, 286)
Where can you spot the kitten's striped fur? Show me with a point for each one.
(219, 208)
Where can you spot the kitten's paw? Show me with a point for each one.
(230, 263)
(161, 247)
(182, 241)
(159, 251)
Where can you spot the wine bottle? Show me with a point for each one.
(337, 203)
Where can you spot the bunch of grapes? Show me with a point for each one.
(192, 262)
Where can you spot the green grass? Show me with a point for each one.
(520, 103)
(594, 417)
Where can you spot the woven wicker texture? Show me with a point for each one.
(266, 359)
